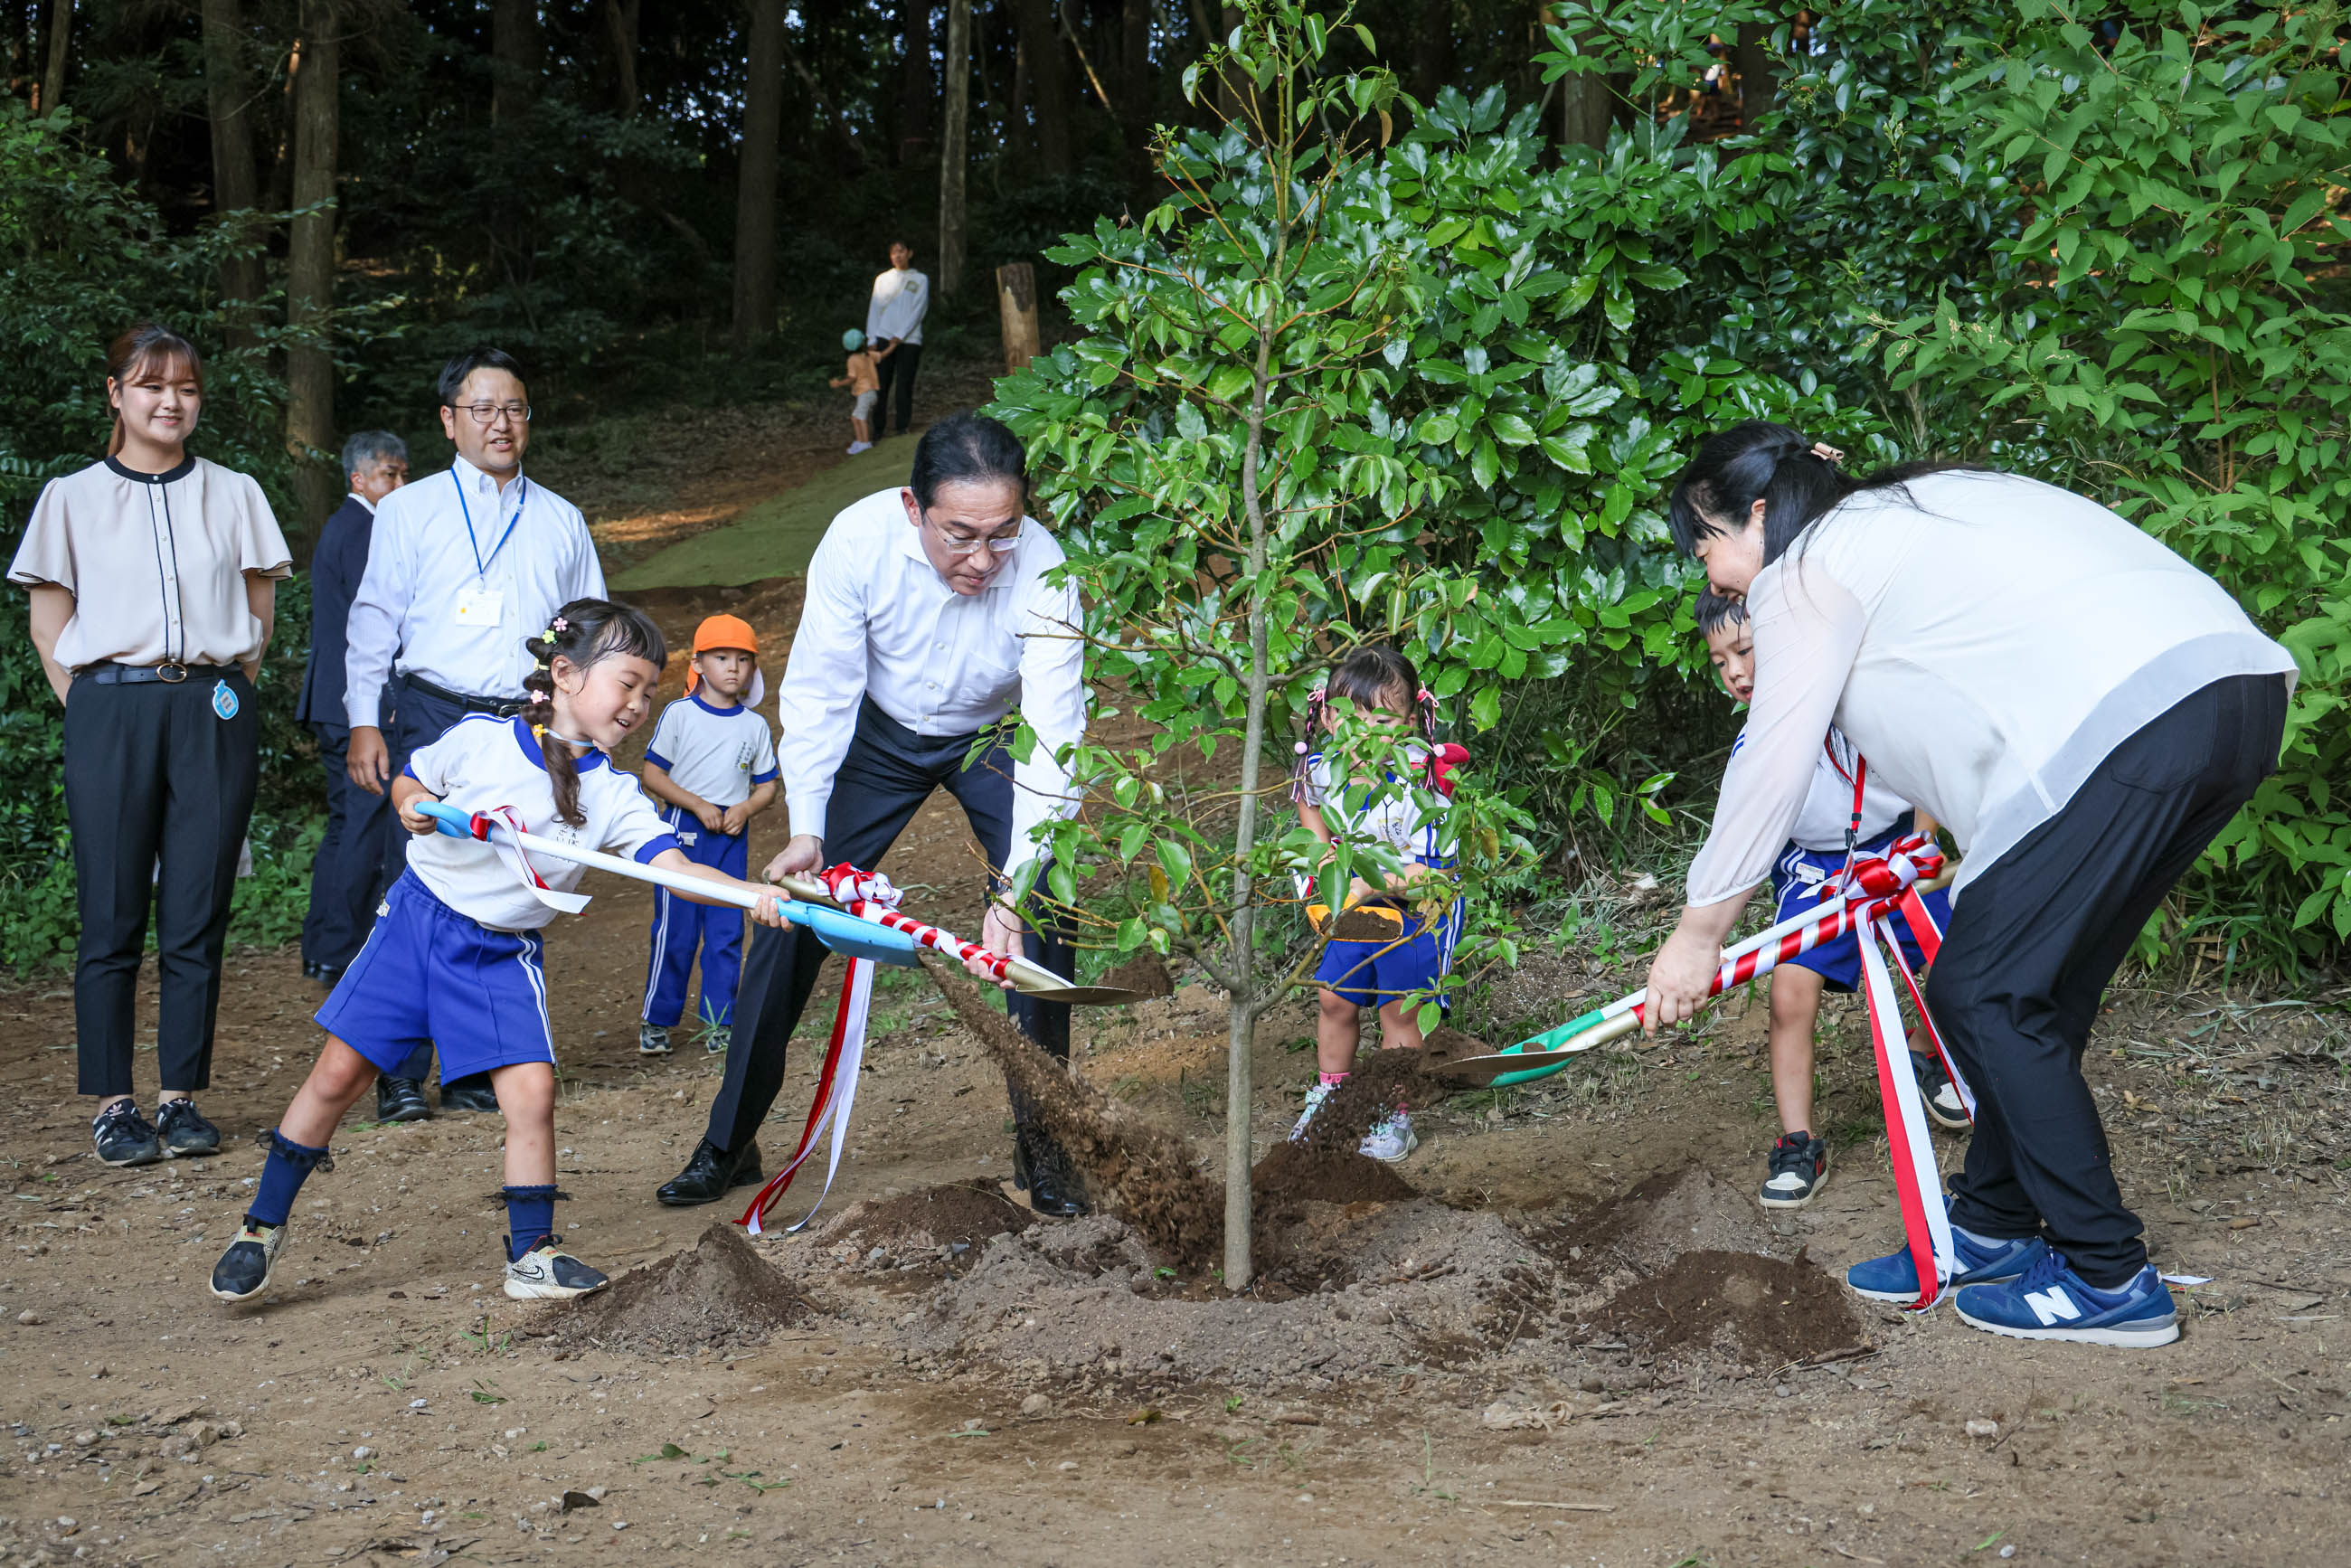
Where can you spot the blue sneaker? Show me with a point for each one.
(1982, 1261)
(2052, 1301)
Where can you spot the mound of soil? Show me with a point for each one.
(1769, 1309)
(722, 1295)
(1657, 1220)
(1382, 1082)
(1297, 1172)
(1145, 974)
(965, 1212)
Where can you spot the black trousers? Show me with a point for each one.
(887, 775)
(896, 371)
(2033, 943)
(347, 876)
(153, 772)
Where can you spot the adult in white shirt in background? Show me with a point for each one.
(462, 566)
(2083, 710)
(928, 618)
(902, 297)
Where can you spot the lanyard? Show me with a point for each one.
(522, 499)
(1859, 774)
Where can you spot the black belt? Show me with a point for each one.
(171, 675)
(497, 707)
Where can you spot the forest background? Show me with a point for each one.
(2100, 247)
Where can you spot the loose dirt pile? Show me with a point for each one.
(1145, 974)
(722, 1295)
(960, 1214)
(1767, 1310)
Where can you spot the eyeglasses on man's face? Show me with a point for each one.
(486, 413)
(959, 541)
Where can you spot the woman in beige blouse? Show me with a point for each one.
(153, 578)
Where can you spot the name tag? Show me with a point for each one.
(481, 607)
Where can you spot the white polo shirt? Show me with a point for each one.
(720, 753)
(482, 764)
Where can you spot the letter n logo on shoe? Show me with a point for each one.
(2051, 1306)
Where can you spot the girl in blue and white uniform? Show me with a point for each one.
(1377, 688)
(454, 957)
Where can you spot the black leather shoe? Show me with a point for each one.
(710, 1175)
(472, 1093)
(1040, 1169)
(399, 1100)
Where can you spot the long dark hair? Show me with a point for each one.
(1795, 478)
(1365, 677)
(141, 347)
(586, 633)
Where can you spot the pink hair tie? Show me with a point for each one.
(1425, 696)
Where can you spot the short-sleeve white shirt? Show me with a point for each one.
(1410, 819)
(720, 753)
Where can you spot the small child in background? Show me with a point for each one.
(713, 760)
(1800, 1161)
(454, 955)
(1393, 973)
(865, 382)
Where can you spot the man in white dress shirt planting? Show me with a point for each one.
(928, 618)
(461, 565)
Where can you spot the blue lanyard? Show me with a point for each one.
(522, 499)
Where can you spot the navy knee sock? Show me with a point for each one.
(530, 1215)
(289, 1166)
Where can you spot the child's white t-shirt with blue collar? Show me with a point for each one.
(720, 754)
(1828, 800)
(481, 764)
(1408, 816)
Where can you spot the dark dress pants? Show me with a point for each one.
(886, 776)
(2033, 943)
(153, 773)
(346, 877)
(896, 373)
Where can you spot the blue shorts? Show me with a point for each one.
(1796, 879)
(429, 974)
(1372, 974)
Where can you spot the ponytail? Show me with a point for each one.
(583, 634)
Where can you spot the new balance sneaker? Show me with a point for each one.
(2052, 1301)
(243, 1271)
(653, 1039)
(123, 1137)
(548, 1273)
(1799, 1168)
(1982, 1261)
(1944, 1106)
(1390, 1139)
(1314, 1099)
(184, 1132)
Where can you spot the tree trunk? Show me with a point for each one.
(1759, 74)
(52, 78)
(515, 60)
(915, 87)
(1049, 81)
(311, 266)
(621, 17)
(1435, 65)
(755, 193)
(228, 100)
(1135, 98)
(1016, 303)
(1587, 109)
(952, 148)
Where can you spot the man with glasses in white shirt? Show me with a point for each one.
(928, 617)
(461, 567)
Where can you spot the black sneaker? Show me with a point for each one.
(1944, 1106)
(243, 1271)
(183, 1130)
(548, 1273)
(399, 1100)
(124, 1138)
(1799, 1168)
(469, 1093)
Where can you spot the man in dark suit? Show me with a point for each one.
(346, 877)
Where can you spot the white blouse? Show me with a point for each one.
(1985, 643)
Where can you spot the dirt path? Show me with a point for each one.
(1562, 1350)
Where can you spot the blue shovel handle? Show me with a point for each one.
(856, 938)
(449, 819)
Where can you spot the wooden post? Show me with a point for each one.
(952, 148)
(1016, 298)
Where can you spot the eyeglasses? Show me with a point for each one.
(488, 412)
(968, 544)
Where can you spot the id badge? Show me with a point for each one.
(481, 607)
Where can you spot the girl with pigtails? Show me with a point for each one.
(454, 957)
(1372, 776)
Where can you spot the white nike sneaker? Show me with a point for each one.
(1314, 1098)
(1390, 1139)
(548, 1273)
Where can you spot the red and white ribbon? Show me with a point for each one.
(870, 896)
(512, 852)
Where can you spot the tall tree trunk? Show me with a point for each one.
(1435, 64)
(1049, 81)
(1135, 98)
(1587, 108)
(755, 192)
(516, 59)
(620, 19)
(228, 98)
(1758, 73)
(915, 87)
(310, 265)
(53, 77)
(953, 148)
(1229, 83)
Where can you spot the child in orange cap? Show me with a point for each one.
(711, 762)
